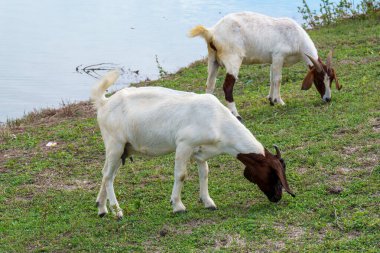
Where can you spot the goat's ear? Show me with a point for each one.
(337, 85)
(284, 182)
(308, 81)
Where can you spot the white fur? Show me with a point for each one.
(326, 81)
(252, 38)
(156, 121)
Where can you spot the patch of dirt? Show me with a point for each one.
(324, 231)
(336, 180)
(367, 60)
(331, 228)
(301, 170)
(345, 131)
(50, 179)
(271, 246)
(364, 60)
(344, 171)
(369, 161)
(15, 153)
(51, 116)
(152, 178)
(291, 231)
(188, 227)
(3, 170)
(353, 234)
(350, 150)
(375, 125)
(25, 198)
(229, 240)
(347, 61)
(334, 189)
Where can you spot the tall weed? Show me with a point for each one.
(330, 12)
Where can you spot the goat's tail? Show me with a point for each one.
(202, 31)
(98, 91)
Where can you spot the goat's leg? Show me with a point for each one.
(271, 88)
(212, 73)
(276, 80)
(232, 64)
(182, 156)
(203, 185)
(101, 200)
(110, 177)
(228, 88)
(113, 161)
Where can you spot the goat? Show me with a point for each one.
(253, 38)
(156, 121)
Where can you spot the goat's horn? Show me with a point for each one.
(278, 153)
(329, 59)
(315, 62)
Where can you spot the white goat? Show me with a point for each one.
(252, 38)
(156, 121)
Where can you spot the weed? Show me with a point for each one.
(163, 73)
(330, 12)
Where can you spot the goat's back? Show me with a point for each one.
(157, 117)
(254, 34)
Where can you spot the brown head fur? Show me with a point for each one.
(268, 172)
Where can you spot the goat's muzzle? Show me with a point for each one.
(275, 198)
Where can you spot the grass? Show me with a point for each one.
(47, 195)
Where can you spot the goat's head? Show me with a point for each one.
(322, 75)
(268, 172)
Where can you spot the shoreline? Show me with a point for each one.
(69, 105)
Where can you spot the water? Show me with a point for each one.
(43, 42)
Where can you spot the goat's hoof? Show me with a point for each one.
(212, 208)
(180, 211)
(271, 101)
(101, 215)
(119, 215)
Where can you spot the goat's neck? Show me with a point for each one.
(309, 49)
(242, 142)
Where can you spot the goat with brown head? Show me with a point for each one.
(322, 76)
(268, 172)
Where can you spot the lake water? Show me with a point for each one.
(43, 42)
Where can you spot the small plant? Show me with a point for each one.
(369, 6)
(345, 8)
(308, 15)
(161, 70)
(326, 8)
(330, 13)
(5, 132)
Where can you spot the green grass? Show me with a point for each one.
(47, 195)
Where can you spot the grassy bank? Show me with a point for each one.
(47, 194)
